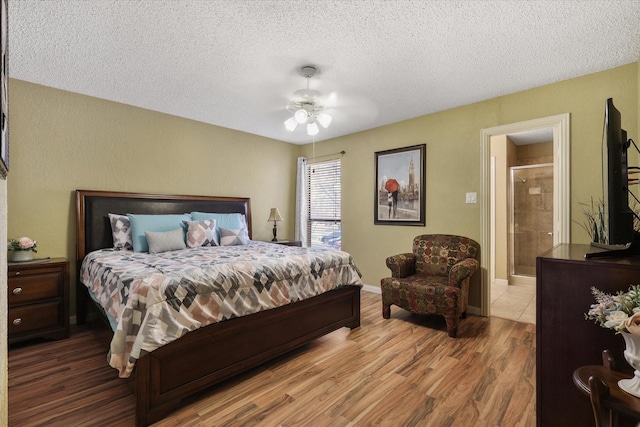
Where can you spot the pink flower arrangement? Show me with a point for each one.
(22, 244)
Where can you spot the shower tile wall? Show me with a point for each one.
(532, 216)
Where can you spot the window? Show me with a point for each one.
(323, 206)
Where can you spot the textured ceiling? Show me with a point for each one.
(235, 63)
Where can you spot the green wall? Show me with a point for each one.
(453, 165)
(62, 141)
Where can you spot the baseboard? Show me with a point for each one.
(476, 311)
(373, 289)
(501, 282)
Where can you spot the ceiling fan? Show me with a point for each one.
(305, 108)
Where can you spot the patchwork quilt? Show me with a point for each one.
(156, 298)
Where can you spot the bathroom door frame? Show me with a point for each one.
(561, 191)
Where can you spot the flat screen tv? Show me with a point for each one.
(618, 216)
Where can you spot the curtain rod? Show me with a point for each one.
(331, 154)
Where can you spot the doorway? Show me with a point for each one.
(524, 219)
(491, 171)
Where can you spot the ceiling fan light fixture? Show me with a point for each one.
(305, 109)
(324, 119)
(312, 129)
(291, 124)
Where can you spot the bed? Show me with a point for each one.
(164, 377)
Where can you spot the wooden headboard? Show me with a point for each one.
(92, 207)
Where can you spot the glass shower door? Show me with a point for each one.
(531, 217)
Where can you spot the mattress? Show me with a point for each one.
(154, 299)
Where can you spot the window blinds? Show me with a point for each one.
(324, 204)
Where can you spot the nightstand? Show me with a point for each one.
(38, 298)
(288, 242)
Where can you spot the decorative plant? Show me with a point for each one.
(620, 312)
(594, 220)
(635, 207)
(22, 244)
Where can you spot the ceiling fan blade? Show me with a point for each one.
(350, 107)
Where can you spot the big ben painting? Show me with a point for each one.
(400, 182)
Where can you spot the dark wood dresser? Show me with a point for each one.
(564, 339)
(38, 298)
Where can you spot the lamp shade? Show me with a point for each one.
(274, 215)
(312, 128)
(301, 116)
(291, 124)
(324, 119)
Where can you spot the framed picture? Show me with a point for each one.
(4, 83)
(400, 184)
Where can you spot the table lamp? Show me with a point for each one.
(275, 216)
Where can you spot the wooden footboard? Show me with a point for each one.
(212, 354)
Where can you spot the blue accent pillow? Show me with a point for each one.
(143, 223)
(230, 221)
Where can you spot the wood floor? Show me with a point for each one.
(404, 371)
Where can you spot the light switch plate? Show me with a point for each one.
(472, 198)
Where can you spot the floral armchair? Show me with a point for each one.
(433, 279)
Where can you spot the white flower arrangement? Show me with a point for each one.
(620, 312)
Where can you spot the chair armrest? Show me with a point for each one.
(462, 270)
(402, 265)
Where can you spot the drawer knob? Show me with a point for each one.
(17, 291)
(17, 273)
(17, 321)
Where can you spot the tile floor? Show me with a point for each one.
(514, 302)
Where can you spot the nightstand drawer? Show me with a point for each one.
(35, 317)
(19, 269)
(28, 288)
